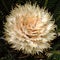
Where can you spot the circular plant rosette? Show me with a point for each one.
(29, 28)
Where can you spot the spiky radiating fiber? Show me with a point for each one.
(29, 28)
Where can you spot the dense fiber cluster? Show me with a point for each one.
(29, 28)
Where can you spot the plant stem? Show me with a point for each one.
(45, 5)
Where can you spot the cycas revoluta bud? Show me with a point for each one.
(29, 28)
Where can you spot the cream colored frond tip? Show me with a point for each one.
(29, 28)
(58, 33)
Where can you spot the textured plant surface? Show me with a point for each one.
(29, 29)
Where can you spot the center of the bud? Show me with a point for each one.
(30, 22)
